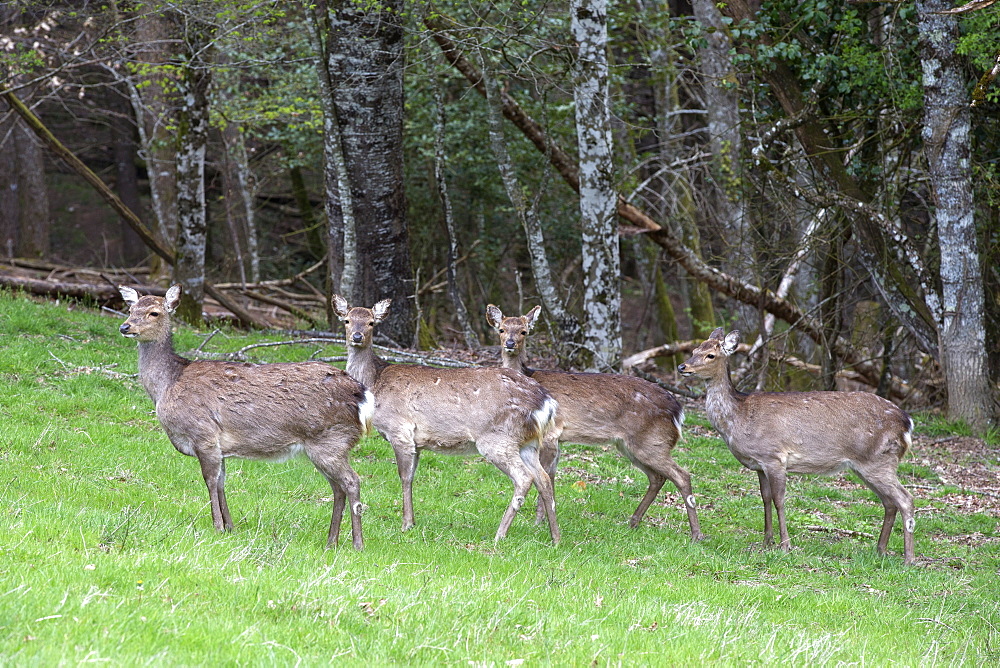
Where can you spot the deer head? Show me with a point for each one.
(359, 322)
(709, 360)
(513, 330)
(149, 316)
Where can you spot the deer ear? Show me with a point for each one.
(717, 334)
(173, 298)
(531, 316)
(732, 340)
(129, 295)
(494, 316)
(340, 306)
(381, 309)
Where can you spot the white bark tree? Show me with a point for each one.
(947, 149)
(722, 113)
(545, 283)
(362, 53)
(192, 219)
(598, 196)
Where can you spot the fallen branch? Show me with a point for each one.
(98, 292)
(120, 208)
(696, 267)
(897, 389)
(842, 532)
(285, 306)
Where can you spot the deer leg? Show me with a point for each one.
(339, 499)
(548, 456)
(895, 498)
(407, 458)
(765, 494)
(214, 472)
(498, 453)
(776, 479)
(350, 487)
(332, 461)
(655, 485)
(682, 480)
(546, 490)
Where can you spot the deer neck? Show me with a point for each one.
(723, 402)
(515, 359)
(159, 366)
(363, 365)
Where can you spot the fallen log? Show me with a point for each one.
(101, 292)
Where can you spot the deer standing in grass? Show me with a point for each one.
(640, 418)
(776, 433)
(213, 410)
(496, 412)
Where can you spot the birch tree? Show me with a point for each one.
(947, 149)
(598, 196)
(153, 98)
(722, 111)
(545, 283)
(363, 60)
(192, 137)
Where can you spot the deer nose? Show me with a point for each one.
(510, 343)
(357, 337)
(681, 367)
(124, 328)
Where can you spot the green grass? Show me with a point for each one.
(107, 551)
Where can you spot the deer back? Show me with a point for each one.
(811, 432)
(815, 432)
(258, 411)
(595, 408)
(452, 408)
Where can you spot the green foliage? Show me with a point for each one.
(107, 552)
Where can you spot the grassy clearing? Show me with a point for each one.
(107, 551)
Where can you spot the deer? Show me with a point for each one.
(639, 417)
(214, 410)
(497, 413)
(776, 433)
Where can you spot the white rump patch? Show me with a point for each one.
(690, 500)
(544, 416)
(910, 525)
(366, 411)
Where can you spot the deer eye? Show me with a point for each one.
(524, 332)
(371, 324)
(154, 314)
(501, 330)
(710, 356)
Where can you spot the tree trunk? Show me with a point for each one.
(441, 179)
(125, 149)
(947, 149)
(239, 186)
(569, 327)
(24, 203)
(154, 104)
(341, 238)
(598, 198)
(192, 219)
(364, 57)
(722, 109)
(9, 207)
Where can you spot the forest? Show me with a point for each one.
(822, 175)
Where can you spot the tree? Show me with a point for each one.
(598, 196)
(947, 150)
(192, 137)
(362, 59)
